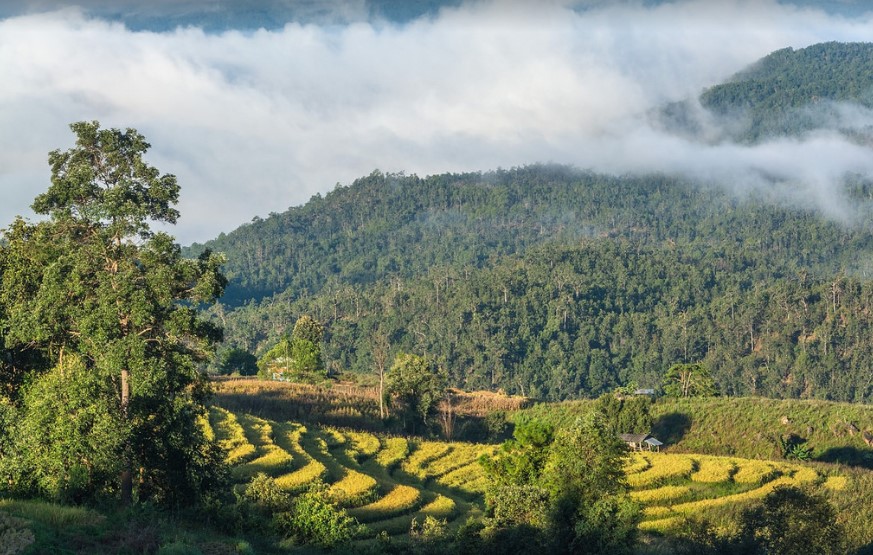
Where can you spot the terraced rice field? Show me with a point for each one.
(385, 482)
(671, 487)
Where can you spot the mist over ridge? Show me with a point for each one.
(253, 121)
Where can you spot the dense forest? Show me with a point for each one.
(788, 93)
(557, 282)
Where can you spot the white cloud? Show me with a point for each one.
(255, 122)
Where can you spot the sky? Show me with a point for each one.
(258, 106)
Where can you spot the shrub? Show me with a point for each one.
(316, 520)
(15, 536)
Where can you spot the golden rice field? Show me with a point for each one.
(671, 487)
(386, 482)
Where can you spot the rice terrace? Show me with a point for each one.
(431, 277)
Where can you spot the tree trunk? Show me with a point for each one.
(381, 394)
(126, 477)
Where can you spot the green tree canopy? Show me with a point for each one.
(689, 380)
(791, 521)
(569, 489)
(416, 383)
(92, 287)
(239, 361)
(306, 345)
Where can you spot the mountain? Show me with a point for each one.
(557, 283)
(787, 93)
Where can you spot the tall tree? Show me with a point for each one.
(94, 281)
(689, 380)
(306, 345)
(380, 349)
(417, 382)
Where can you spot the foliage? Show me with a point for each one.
(794, 91)
(795, 447)
(689, 380)
(570, 488)
(626, 415)
(316, 520)
(572, 285)
(67, 442)
(93, 285)
(791, 521)
(298, 355)
(417, 383)
(237, 361)
(522, 459)
(15, 535)
(592, 512)
(557, 283)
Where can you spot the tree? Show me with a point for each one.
(567, 487)
(592, 511)
(306, 345)
(381, 348)
(93, 288)
(791, 521)
(689, 380)
(625, 415)
(418, 384)
(237, 361)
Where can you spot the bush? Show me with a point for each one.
(15, 536)
(315, 520)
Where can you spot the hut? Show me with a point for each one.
(641, 442)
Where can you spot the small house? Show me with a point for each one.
(641, 442)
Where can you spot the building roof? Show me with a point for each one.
(653, 442)
(633, 438)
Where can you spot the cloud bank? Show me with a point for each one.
(255, 122)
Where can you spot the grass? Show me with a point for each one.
(51, 514)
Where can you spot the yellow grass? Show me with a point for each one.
(363, 444)
(425, 452)
(354, 485)
(399, 500)
(714, 470)
(300, 478)
(258, 431)
(460, 455)
(663, 467)
(462, 476)
(636, 463)
(394, 450)
(441, 507)
(664, 494)
(204, 424)
(272, 462)
(661, 525)
(333, 437)
(753, 472)
(757, 493)
(836, 483)
(231, 436)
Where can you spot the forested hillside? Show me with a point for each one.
(554, 282)
(790, 92)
